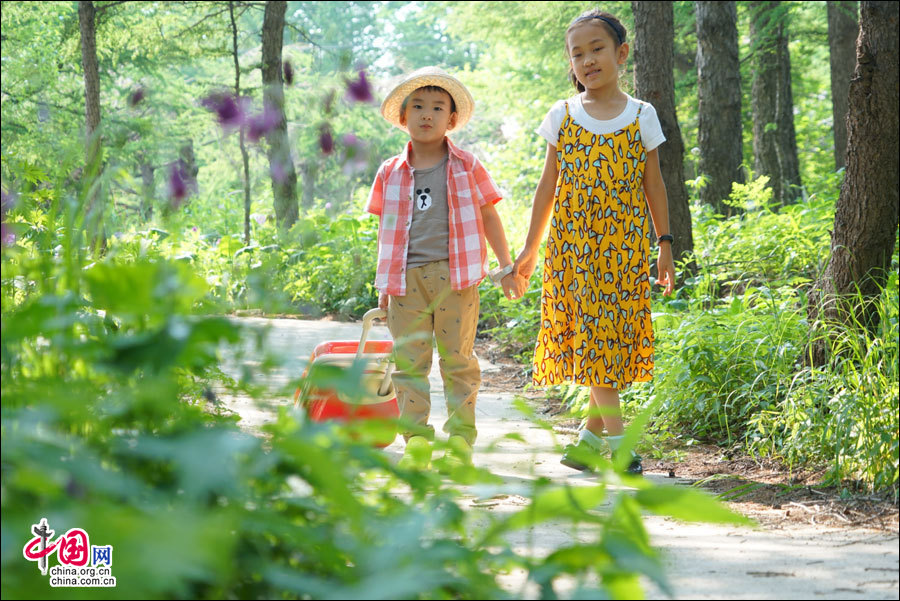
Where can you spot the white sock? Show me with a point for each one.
(615, 442)
(591, 439)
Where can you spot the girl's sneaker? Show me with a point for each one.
(635, 468)
(585, 454)
(577, 456)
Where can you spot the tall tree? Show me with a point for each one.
(87, 25)
(867, 213)
(655, 83)
(281, 165)
(774, 139)
(719, 101)
(842, 33)
(243, 146)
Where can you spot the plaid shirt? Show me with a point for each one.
(469, 187)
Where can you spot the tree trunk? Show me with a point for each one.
(92, 135)
(719, 101)
(308, 171)
(86, 23)
(867, 213)
(237, 94)
(774, 140)
(281, 165)
(655, 83)
(188, 165)
(842, 33)
(148, 190)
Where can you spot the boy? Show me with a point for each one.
(436, 208)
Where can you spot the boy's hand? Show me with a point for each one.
(383, 301)
(513, 286)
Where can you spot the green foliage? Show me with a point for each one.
(110, 353)
(718, 365)
(334, 265)
(844, 414)
(730, 345)
(110, 424)
(741, 250)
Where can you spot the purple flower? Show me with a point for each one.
(230, 111)
(261, 124)
(288, 72)
(180, 184)
(259, 218)
(7, 235)
(327, 206)
(136, 97)
(7, 202)
(360, 90)
(326, 141)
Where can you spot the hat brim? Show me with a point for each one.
(465, 105)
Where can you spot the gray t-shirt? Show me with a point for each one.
(429, 232)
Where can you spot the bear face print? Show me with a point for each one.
(423, 199)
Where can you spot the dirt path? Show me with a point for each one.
(790, 561)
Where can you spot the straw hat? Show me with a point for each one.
(428, 76)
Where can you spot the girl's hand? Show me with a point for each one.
(666, 268)
(383, 301)
(525, 264)
(514, 286)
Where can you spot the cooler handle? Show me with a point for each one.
(371, 315)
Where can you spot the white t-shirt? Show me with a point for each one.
(651, 131)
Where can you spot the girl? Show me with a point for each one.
(600, 175)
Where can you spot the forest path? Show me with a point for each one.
(703, 561)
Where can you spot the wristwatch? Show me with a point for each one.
(499, 273)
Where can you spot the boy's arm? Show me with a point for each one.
(493, 231)
(658, 202)
(496, 237)
(374, 206)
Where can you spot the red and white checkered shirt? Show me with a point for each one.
(469, 187)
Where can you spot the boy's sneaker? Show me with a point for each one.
(417, 455)
(458, 454)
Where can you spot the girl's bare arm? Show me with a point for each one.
(541, 209)
(658, 202)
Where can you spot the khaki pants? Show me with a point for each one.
(432, 310)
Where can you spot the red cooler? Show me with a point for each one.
(372, 414)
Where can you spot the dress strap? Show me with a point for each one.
(563, 124)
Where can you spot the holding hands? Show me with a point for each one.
(525, 264)
(513, 285)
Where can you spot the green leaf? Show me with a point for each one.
(563, 502)
(689, 505)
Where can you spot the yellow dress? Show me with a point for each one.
(595, 306)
